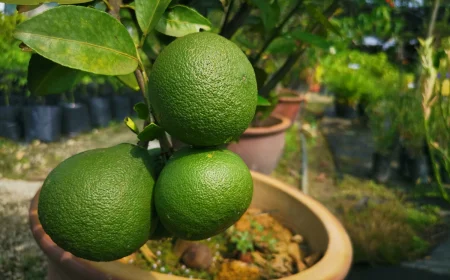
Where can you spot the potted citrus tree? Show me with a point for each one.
(104, 204)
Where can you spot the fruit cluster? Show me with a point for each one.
(104, 204)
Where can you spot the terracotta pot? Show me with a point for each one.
(289, 106)
(297, 211)
(261, 147)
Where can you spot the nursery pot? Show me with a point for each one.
(75, 118)
(381, 167)
(120, 107)
(345, 110)
(9, 113)
(42, 122)
(100, 110)
(293, 209)
(289, 106)
(261, 147)
(414, 166)
(10, 130)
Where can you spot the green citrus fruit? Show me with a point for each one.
(203, 90)
(98, 205)
(201, 192)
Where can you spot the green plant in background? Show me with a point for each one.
(13, 62)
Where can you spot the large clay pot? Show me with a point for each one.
(261, 147)
(295, 210)
(289, 106)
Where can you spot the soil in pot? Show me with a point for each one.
(381, 168)
(345, 110)
(75, 119)
(100, 111)
(120, 107)
(256, 247)
(42, 122)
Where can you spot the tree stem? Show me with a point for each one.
(292, 59)
(433, 18)
(237, 21)
(227, 15)
(275, 33)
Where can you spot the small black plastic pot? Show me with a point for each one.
(345, 110)
(414, 166)
(10, 130)
(75, 119)
(135, 97)
(10, 113)
(381, 168)
(120, 107)
(100, 111)
(42, 122)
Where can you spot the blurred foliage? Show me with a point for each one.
(13, 61)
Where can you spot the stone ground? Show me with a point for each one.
(20, 257)
(352, 148)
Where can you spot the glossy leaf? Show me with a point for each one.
(129, 80)
(148, 13)
(132, 29)
(317, 15)
(262, 101)
(282, 45)
(311, 39)
(46, 77)
(142, 110)
(81, 38)
(151, 132)
(38, 2)
(131, 125)
(270, 12)
(180, 20)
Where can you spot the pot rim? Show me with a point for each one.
(292, 99)
(334, 264)
(277, 128)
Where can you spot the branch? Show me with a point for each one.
(114, 7)
(275, 33)
(292, 59)
(433, 18)
(237, 21)
(227, 15)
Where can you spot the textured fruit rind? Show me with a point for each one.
(203, 90)
(98, 204)
(201, 192)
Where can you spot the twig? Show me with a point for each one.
(275, 33)
(236, 21)
(227, 15)
(147, 253)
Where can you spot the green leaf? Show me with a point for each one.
(131, 125)
(262, 101)
(151, 132)
(129, 80)
(132, 29)
(142, 110)
(81, 38)
(38, 2)
(46, 77)
(311, 39)
(270, 12)
(148, 13)
(282, 45)
(317, 15)
(180, 20)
